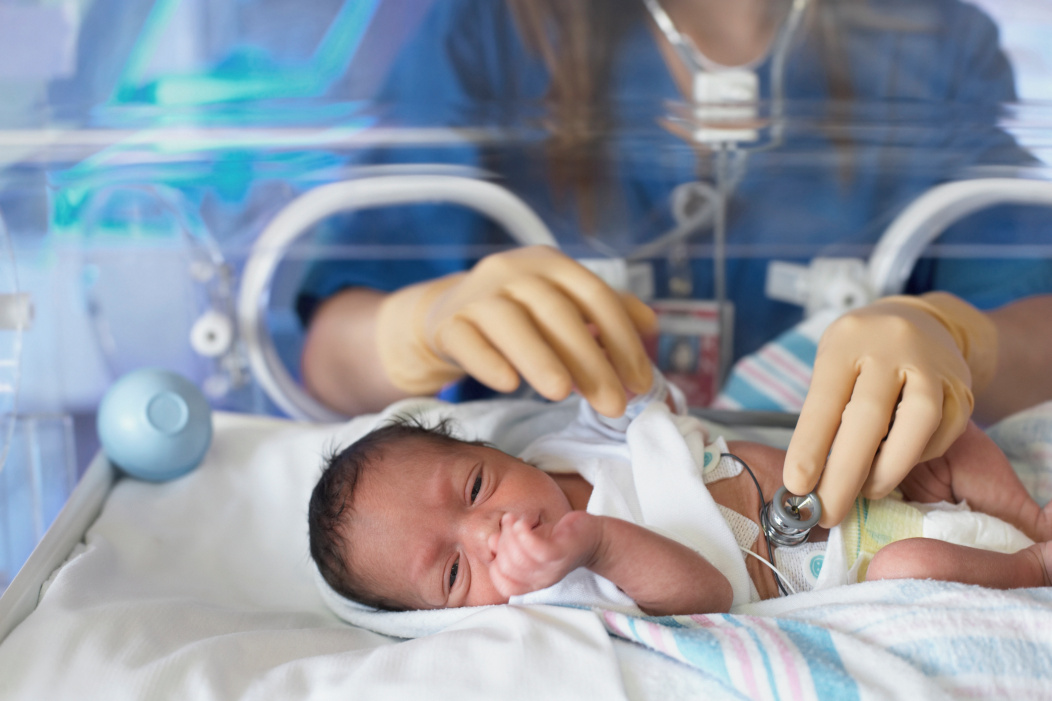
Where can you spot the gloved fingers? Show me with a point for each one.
(498, 339)
(462, 343)
(619, 317)
(863, 426)
(630, 357)
(828, 395)
(566, 332)
(642, 316)
(618, 322)
(957, 405)
(916, 420)
(836, 492)
(518, 333)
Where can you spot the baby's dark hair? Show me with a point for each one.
(333, 500)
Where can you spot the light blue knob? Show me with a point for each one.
(154, 425)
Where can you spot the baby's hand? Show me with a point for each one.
(532, 559)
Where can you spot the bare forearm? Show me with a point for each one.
(1022, 379)
(662, 576)
(340, 363)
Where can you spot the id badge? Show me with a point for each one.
(690, 345)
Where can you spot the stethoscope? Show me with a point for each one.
(727, 99)
(722, 117)
(786, 520)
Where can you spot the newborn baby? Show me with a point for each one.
(409, 517)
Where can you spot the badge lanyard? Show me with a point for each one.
(722, 117)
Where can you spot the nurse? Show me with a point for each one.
(597, 77)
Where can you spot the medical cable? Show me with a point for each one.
(783, 583)
(780, 579)
(690, 218)
(739, 82)
(780, 50)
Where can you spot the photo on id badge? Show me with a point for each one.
(688, 345)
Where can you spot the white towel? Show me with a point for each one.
(202, 588)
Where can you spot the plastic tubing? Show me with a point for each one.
(307, 210)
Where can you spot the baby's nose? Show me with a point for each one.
(483, 533)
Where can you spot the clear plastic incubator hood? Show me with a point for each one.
(37, 465)
(172, 180)
(184, 183)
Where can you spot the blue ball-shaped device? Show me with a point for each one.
(154, 425)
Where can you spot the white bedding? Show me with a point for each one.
(201, 589)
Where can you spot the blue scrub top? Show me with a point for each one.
(927, 81)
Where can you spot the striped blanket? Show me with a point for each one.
(905, 639)
(776, 377)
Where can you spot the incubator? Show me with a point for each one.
(169, 182)
(183, 181)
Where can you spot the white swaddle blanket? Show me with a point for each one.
(653, 475)
(201, 589)
(650, 470)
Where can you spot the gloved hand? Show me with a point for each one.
(531, 311)
(908, 363)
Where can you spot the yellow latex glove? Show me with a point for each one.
(531, 311)
(910, 363)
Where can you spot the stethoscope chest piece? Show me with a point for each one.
(787, 518)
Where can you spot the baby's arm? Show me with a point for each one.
(662, 576)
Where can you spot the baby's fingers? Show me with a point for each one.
(507, 586)
(534, 543)
(512, 557)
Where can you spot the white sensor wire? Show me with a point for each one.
(777, 572)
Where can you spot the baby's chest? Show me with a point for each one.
(739, 494)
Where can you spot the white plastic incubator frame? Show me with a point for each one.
(885, 273)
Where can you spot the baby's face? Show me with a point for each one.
(423, 516)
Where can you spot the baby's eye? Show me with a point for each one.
(453, 572)
(475, 488)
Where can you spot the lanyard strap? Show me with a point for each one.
(684, 47)
(697, 62)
